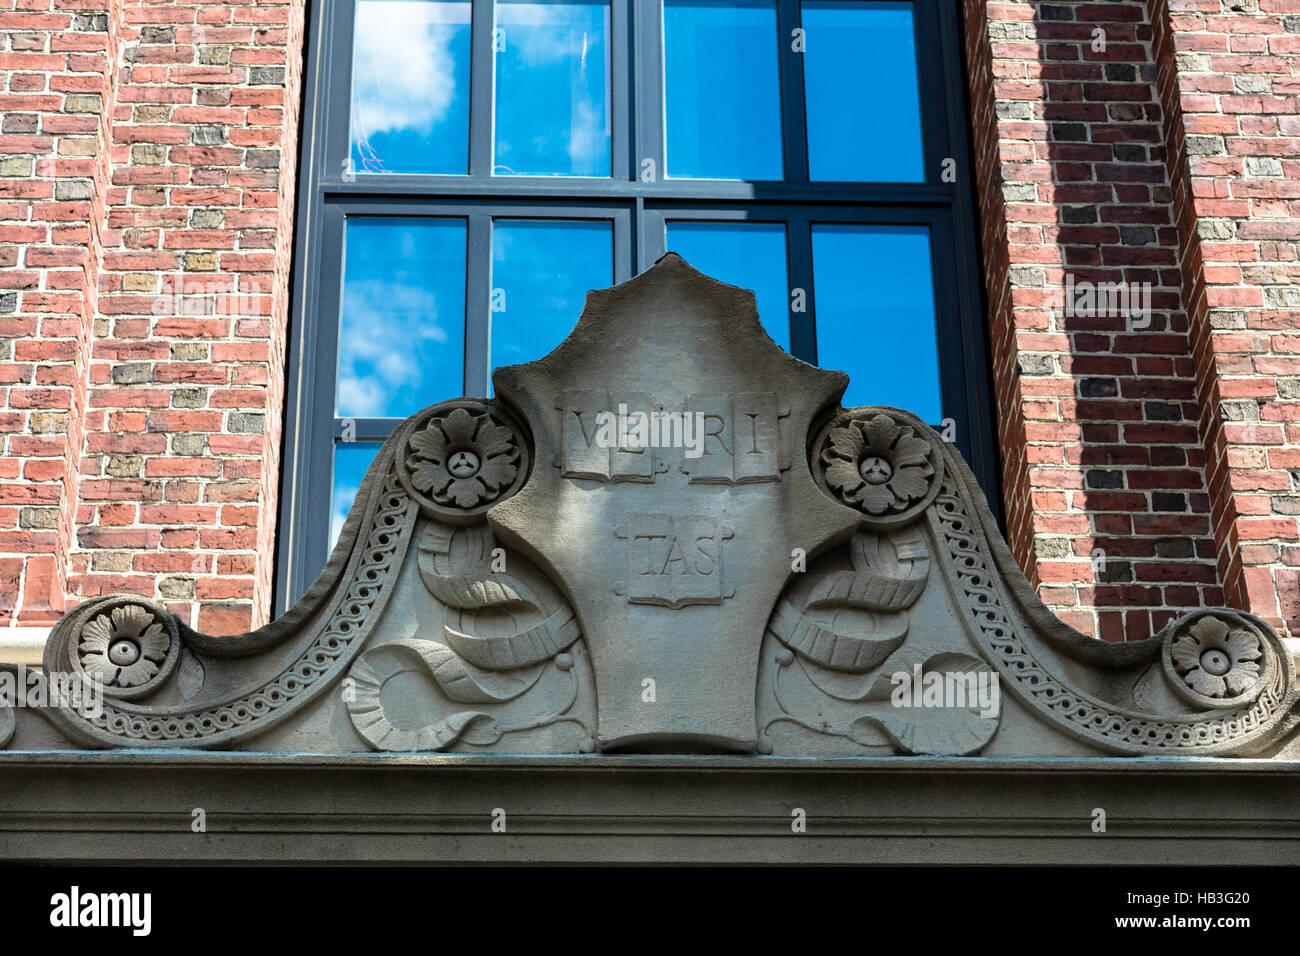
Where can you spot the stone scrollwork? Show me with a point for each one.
(500, 639)
(382, 720)
(156, 674)
(1013, 629)
(810, 581)
(1214, 681)
(165, 685)
(853, 620)
(475, 595)
(843, 647)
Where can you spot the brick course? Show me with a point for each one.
(1106, 422)
(1230, 78)
(147, 172)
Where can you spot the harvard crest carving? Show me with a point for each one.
(665, 536)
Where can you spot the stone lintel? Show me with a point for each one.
(134, 806)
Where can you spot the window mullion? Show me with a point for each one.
(803, 330)
(652, 237)
(624, 251)
(930, 56)
(335, 156)
(640, 250)
(348, 429)
(649, 93)
(646, 71)
(318, 478)
(478, 304)
(620, 71)
(481, 78)
(793, 128)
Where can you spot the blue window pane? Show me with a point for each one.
(402, 331)
(748, 254)
(351, 459)
(541, 273)
(552, 89)
(861, 93)
(722, 90)
(410, 87)
(875, 312)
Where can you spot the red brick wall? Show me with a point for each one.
(1230, 79)
(55, 69)
(1100, 412)
(982, 22)
(145, 232)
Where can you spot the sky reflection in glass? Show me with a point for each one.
(402, 332)
(552, 89)
(875, 315)
(351, 459)
(410, 87)
(541, 273)
(748, 254)
(722, 90)
(861, 95)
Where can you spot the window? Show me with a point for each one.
(471, 169)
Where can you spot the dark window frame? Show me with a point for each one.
(329, 192)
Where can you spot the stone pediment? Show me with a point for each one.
(666, 536)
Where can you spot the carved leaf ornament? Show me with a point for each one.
(465, 667)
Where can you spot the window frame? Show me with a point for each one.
(328, 193)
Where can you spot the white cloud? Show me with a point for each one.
(388, 333)
(403, 71)
(588, 137)
(546, 32)
(343, 498)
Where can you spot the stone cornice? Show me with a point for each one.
(138, 807)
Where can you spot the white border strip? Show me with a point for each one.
(22, 645)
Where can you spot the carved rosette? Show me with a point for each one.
(460, 458)
(881, 461)
(1216, 659)
(129, 648)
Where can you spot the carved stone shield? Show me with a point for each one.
(670, 496)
